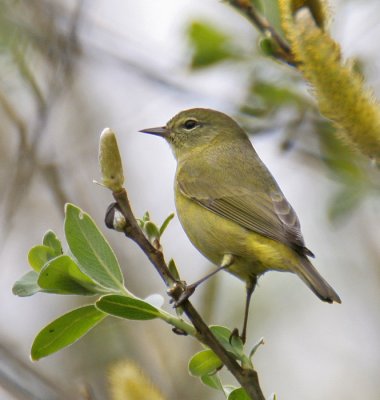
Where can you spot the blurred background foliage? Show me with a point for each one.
(70, 68)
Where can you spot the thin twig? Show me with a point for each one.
(247, 378)
(264, 26)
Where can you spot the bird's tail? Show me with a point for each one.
(316, 283)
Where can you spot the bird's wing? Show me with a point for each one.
(267, 213)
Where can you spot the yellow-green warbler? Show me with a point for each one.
(231, 207)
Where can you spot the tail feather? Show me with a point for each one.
(316, 283)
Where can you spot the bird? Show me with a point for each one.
(231, 207)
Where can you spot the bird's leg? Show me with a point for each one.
(250, 287)
(227, 261)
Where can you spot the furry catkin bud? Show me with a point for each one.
(110, 161)
(340, 91)
(127, 381)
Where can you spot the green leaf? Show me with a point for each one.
(268, 46)
(151, 231)
(223, 335)
(173, 269)
(230, 342)
(213, 381)
(65, 330)
(205, 362)
(27, 285)
(127, 307)
(227, 389)
(237, 345)
(255, 347)
(210, 45)
(63, 276)
(275, 96)
(166, 223)
(95, 256)
(238, 394)
(146, 216)
(51, 240)
(39, 255)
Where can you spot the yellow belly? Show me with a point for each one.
(214, 236)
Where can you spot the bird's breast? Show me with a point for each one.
(213, 235)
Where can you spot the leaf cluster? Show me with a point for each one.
(90, 268)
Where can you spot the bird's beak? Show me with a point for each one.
(160, 131)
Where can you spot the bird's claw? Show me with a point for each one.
(180, 292)
(235, 334)
(188, 291)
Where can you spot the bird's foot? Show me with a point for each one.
(235, 335)
(180, 292)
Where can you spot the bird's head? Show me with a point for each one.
(195, 128)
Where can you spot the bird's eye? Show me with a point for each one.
(190, 124)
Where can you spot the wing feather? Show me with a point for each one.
(267, 213)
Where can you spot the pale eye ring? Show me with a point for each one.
(190, 124)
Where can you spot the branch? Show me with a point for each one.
(248, 378)
(113, 179)
(263, 25)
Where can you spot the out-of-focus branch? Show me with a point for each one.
(13, 115)
(28, 76)
(27, 160)
(21, 382)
